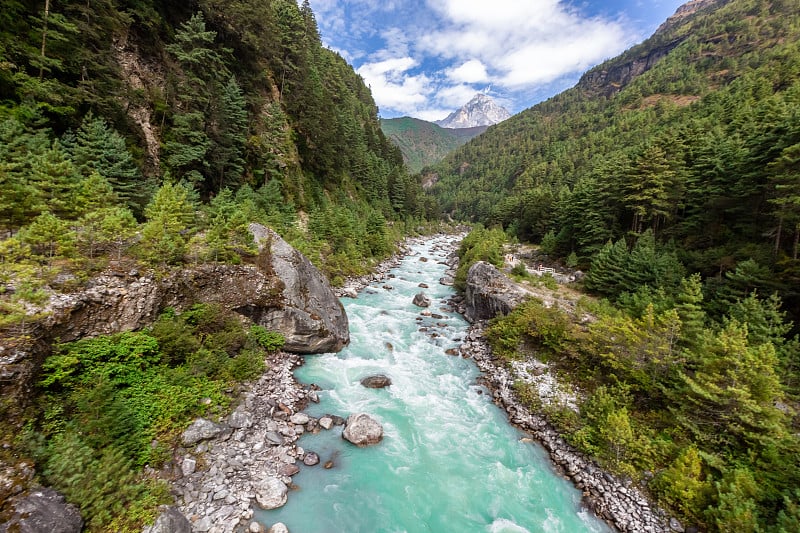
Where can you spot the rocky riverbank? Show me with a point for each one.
(616, 501)
(225, 469)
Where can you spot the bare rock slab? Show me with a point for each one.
(44, 511)
(362, 430)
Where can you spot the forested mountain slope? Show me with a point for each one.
(236, 102)
(694, 135)
(424, 143)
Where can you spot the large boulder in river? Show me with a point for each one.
(271, 493)
(378, 381)
(362, 430)
(43, 511)
(489, 293)
(421, 300)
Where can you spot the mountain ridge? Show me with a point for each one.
(481, 110)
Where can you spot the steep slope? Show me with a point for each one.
(480, 111)
(689, 134)
(424, 143)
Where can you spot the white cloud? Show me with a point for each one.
(523, 43)
(473, 71)
(428, 57)
(393, 87)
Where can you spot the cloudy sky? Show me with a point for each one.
(426, 58)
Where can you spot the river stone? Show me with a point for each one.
(274, 438)
(43, 511)
(188, 466)
(280, 527)
(326, 422)
(240, 418)
(421, 300)
(423, 285)
(288, 470)
(378, 381)
(311, 459)
(171, 520)
(271, 493)
(201, 429)
(362, 430)
(299, 419)
(349, 292)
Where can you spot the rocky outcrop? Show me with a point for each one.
(170, 521)
(282, 291)
(489, 293)
(43, 511)
(362, 430)
(609, 79)
(313, 319)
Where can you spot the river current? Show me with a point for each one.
(449, 461)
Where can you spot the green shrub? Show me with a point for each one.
(271, 341)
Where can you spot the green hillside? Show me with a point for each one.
(424, 143)
(701, 149)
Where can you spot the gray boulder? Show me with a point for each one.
(362, 430)
(43, 511)
(376, 382)
(240, 418)
(171, 520)
(421, 300)
(489, 293)
(200, 429)
(271, 493)
(280, 527)
(311, 318)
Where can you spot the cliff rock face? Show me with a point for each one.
(283, 292)
(610, 80)
(489, 293)
(312, 319)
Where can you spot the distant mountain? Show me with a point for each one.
(424, 143)
(480, 111)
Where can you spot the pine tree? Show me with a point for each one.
(55, 180)
(99, 148)
(227, 153)
(169, 220)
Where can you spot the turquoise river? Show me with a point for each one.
(449, 460)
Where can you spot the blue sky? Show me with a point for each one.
(426, 58)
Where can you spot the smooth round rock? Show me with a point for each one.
(378, 381)
(362, 430)
(271, 493)
(280, 527)
(311, 459)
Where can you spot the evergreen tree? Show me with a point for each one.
(169, 219)
(99, 148)
(227, 154)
